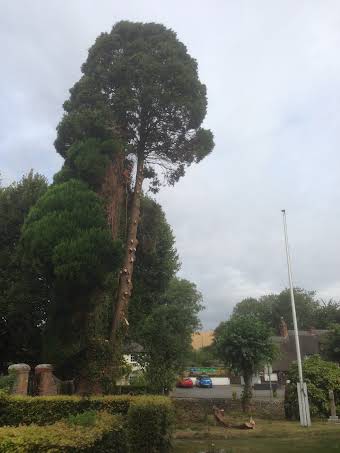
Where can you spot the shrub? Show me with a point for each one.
(106, 434)
(48, 409)
(149, 424)
(87, 418)
(6, 383)
(320, 377)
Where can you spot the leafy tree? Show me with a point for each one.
(305, 304)
(261, 308)
(203, 357)
(331, 343)
(156, 262)
(67, 243)
(139, 84)
(166, 334)
(22, 295)
(320, 376)
(270, 308)
(327, 313)
(243, 343)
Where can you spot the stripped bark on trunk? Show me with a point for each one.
(125, 280)
(113, 191)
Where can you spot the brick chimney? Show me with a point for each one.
(283, 328)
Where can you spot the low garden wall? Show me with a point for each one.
(197, 410)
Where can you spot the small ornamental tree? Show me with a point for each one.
(139, 83)
(245, 346)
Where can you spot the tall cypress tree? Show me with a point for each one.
(140, 85)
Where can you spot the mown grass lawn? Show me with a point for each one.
(267, 437)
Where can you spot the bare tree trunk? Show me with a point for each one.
(247, 392)
(113, 190)
(125, 281)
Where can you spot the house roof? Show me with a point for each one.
(132, 348)
(309, 345)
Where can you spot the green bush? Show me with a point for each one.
(320, 377)
(6, 383)
(87, 418)
(44, 410)
(132, 389)
(149, 424)
(105, 435)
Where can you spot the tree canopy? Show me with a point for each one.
(140, 83)
(243, 343)
(310, 311)
(139, 86)
(66, 241)
(22, 295)
(331, 343)
(166, 333)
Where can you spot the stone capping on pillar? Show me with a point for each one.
(46, 383)
(21, 372)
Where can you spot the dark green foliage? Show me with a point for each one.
(156, 262)
(86, 418)
(140, 83)
(261, 308)
(65, 238)
(22, 295)
(310, 312)
(66, 241)
(6, 383)
(150, 422)
(328, 313)
(88, 161)
(83, 123)
(166, 334)
(331, 343)
(320, 376)
(103, 435)
(203, 357)
(90, 424)
(44, 410)
(243, 343)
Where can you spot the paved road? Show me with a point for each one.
(221, 391)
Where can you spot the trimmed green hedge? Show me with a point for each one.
(104, 435)
(149, 424)
(43, 410)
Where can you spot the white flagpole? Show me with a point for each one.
(301, 387)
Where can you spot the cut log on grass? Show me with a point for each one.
(219, 417)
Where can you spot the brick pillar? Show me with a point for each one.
(21, 372)
(45, 379)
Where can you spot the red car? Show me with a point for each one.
(185, 382)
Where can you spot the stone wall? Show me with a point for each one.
(197, 410)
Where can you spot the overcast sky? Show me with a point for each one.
(272, 70)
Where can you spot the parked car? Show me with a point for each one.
(185, 382)
(204, 381)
